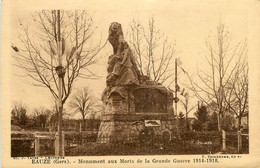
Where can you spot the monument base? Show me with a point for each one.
(135, 127)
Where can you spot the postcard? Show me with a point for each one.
(142, 83)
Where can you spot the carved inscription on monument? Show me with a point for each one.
(150, 101)
(116, 100)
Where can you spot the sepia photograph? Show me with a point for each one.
(128, 78)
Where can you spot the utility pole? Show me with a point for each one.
(176, 98)
(176, 87)
(186, 109)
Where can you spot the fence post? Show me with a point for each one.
(63, 143)
(37, 145)
(224, 140)
(239, 140)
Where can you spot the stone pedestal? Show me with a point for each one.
(146, 108)
(114, 128)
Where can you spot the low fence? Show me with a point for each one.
(197, 143)
(243, 142)
(74, 140)
(80, 138)
(209, 141)
(22, 144)
(115, 145)
(43, 143)
(81, 143)
(231, 142)
(236, 142)
(32, 144)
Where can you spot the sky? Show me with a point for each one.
(187, 22)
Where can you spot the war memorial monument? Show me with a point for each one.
(134, 105)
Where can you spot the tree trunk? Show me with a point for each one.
(60, 128)
(219, 123)
(239, 123)
(84, 124)
(187, 121)
(220, 128)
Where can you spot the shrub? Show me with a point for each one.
(21, 148)
(80, 137)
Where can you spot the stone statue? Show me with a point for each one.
(122, 69)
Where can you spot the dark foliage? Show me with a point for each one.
(21, 148)
(213, 122)
(181, 121)
(19, 116)
(202, 118)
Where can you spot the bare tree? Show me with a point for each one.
(222, 61)
(40, 116)
(153, 51)
(238, 91)
(82, 102)
(19, 115)
(186, 105)
(36, 55)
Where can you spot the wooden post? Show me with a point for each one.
(239, 140)
(37, 146)
(224, 140)
(63, 143)
(176, 99)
